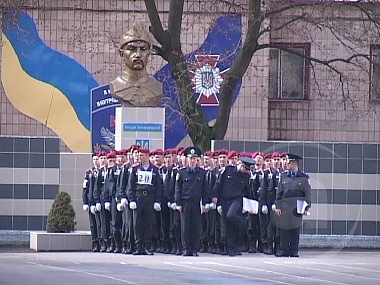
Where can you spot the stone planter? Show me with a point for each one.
(75, 241)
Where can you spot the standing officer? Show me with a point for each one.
(100, 197)
(230, 187)
(88, 202)
(294, 185)
(144, 195)
(169, 193)
(190, 189)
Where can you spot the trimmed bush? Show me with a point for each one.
(61, 218)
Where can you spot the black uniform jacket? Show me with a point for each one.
(231, 184)
(191, 185)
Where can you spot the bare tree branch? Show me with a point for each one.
(175, 22)
(156, 26)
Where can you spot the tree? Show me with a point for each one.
(265, 18)
(61, 218)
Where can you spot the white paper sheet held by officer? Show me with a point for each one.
(301, 206)
(250, 206)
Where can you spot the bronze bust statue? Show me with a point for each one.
(135, 87)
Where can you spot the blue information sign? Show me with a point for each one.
(103, 118)
(142, 127)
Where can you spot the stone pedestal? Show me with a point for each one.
(75, 241)
(144, 126)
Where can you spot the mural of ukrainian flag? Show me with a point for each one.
(45, 84)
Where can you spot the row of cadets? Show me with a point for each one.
(127, 231)
(89, 202)
(169, 193)
(161, 221)
(102, 199)
(270, 234)
(256, 176)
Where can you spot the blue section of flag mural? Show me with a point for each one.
(103, 118)
(224, 39)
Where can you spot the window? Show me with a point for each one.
(375, 73)
(289, 73)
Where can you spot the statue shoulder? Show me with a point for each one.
(117, 84)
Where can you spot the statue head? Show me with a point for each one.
(135, 47)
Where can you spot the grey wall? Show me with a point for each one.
(29, 181)
(344, 179)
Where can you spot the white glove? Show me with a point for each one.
(123, 202)
(132, 205)
(169, 205)
(85, 207)
(157, 207)
(274, 207)
(212, 206)
(173, 206)
(120, 207)
(219, 209)
(264, 209)
(93, 209)
(98, 207)
(107, 206)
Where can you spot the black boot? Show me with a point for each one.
(223, 249)
(95, 246)
(212, 248)
(111, 247)
(146, 251)
(252, 247)
(167, 247)
(139, 249)
(268, 249)
(130, 248)
(179, 248)
(117, 246)
(174, 247)
(123, 247)
(204, 247)
(159, 248)
(103, 246)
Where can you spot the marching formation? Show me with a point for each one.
(181, 202)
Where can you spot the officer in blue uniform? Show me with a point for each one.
(190, 189)
(230, 187)
(293, 185)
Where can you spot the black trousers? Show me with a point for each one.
(165, 221)
(233, 221)
(254, 228)
(204, 230)
(105, 223)
(264, 224)
(127, 232)
(289, 240)
(143, 219)
(212, 216)
(116, 222)
(191, 223)
(175, 225)
(94, 225)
